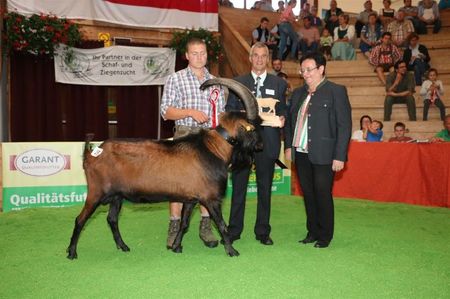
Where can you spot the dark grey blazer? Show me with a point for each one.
(271, 136)
(329, 122)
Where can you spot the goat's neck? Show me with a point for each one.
(219, 146)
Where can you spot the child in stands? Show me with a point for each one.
(374, 132)
(431, 92)
(399, 132)
(326, 42)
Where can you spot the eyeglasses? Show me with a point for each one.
(308, 70)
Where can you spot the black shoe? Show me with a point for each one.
(321, 244)
(265, 240)
(308, 240)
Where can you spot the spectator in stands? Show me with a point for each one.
(444, 135)
(363, 17)
(417, 57)
(431, 91)
(331, 16)
(400, 29)
(286, 31)
(285, 77)
(310, 37)
(262, 34)
(277, 66)
(384, 56)
(257, 5)
(226, 3)
(444, 4)
(280, 7)
(326, 42)
(364, 123)
(370, 35)
(305, 11)
(343, 40)
(374, 132)
(399, 132)
(400, 88)
(429, 15)
(387, 14)
(315, 20)
(266, 5)
(411, 13)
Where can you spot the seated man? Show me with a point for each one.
(444, 135)
(400, 87)
(277, 66)
(384, 56)
(429, 15)
(262, 34)
(417, 57)
(399, 132)
(411, 13)
(400, 29)
(363, 17)
(309, 37)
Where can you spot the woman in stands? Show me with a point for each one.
(387, 14)
(370, 35)
(343, 40)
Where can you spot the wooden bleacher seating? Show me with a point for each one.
(364, 89)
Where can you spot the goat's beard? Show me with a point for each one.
(244, 150)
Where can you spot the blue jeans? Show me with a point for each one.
(305, 49)
(419, 67)
(286, 31)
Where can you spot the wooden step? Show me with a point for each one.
(399, 112)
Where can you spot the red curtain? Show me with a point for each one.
(40, 106)
(35, 104)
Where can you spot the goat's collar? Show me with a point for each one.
(222, 132)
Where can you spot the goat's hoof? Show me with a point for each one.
(72, 256)
(124, 248)
(178, 249)
(232, 252)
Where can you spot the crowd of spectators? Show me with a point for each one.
(388, 38)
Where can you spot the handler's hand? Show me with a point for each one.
(283, 120)
(337, 165)
(199, 116)
(287, 154)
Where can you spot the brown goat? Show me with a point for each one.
(190, 169)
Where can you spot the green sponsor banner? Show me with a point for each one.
(281, 184)
(16, 198)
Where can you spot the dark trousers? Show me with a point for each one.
(438, 103)
(317, 183)
(264, 176)
(410, 103)
(423, 27)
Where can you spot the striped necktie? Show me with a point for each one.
(257, 87)
(301, 129)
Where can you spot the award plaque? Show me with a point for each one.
(267, 112)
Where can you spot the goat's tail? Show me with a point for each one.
(87, 145)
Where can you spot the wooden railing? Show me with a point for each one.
(236, 48)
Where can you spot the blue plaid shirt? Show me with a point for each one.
(182, 90)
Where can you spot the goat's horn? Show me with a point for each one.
(249, 100)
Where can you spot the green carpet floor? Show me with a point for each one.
(380, 250)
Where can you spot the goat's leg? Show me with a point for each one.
(113, 221)
(185, 218)
(89, 208)
(215, 211)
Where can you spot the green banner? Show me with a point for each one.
(16, 198)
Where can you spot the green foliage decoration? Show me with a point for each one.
(38, 34)
(180, 39)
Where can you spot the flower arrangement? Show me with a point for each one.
(180, 39)
(38, 34)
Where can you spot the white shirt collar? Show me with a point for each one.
(262, 76)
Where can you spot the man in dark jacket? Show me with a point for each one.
(417, 58)
(317, 133)
(264, 85)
